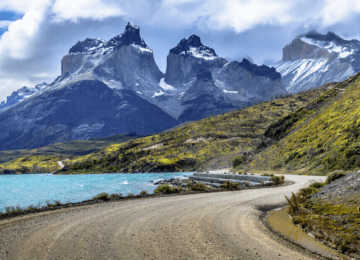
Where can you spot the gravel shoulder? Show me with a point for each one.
(224, 225)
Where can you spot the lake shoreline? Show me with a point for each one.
(73, 205)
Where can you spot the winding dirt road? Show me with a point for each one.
(222, 225)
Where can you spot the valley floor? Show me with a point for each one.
(224, 225)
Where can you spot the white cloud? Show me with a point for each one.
(336, 11)
(21, 33)
(89, 9)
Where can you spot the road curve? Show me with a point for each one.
(223, 225)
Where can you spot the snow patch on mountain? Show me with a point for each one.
(200, 53)
(331, 47)
(230, 92)
(157, 94)
(165, 86)
(147, 49)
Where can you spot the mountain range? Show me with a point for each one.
(115, 87)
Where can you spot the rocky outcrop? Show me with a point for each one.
(125, 61)
(187, 58)
(302, 50)
(248, 82)
(203, 98)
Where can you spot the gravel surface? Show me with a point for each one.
(225, 225)
(342, 188)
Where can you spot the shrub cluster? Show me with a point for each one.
(166, 188)
(101, 196)
(198, 186)
(334, 176)
(238, 160)
(230, 185)
(277, 179)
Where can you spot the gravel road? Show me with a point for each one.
(224, 225)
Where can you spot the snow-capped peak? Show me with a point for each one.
(193, 47)
(331, 47)
(331, 43)
(132, 26)
(131, 36)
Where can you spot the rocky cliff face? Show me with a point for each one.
(189, 56)
(245, 81)
(123, 62)
(302, 50)
(232, 84)
(313, 59)
(114, 87)
(203, 98)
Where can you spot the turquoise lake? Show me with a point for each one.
(28, 189)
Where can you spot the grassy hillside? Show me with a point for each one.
(209, 143)
(44, 159)
(31, 164)
(321, 137)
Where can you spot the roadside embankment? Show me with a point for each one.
(331, 212)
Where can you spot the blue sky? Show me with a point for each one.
(7, 16)
(41, 32)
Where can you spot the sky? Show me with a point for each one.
(36, 34)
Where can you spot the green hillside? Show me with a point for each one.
(321, 137)
(210, 143)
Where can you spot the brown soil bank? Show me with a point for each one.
(223, 225)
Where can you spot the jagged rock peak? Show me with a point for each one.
(194, 47)
(131, 35)
(262, 71)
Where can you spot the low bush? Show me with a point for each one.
(101, 196)
(277, 179)
(130, 195)
(167, 188)
(114, 195)
(144, 193)
(294, 206)
(230, 185)
(334, 176)
(199, 186)
(238, 160)
(317, 185)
